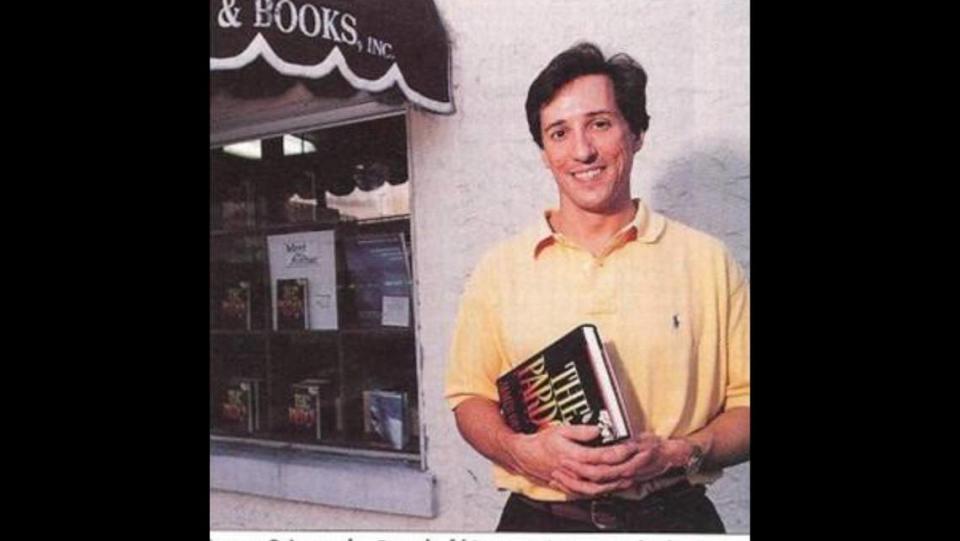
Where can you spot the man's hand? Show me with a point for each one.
(541, 456)
(544, 455)
(725, 442)
(602, 471)
(557, 457)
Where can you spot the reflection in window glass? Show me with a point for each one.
(383, 202)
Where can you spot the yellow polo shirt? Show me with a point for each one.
(670, 303)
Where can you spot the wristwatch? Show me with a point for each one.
(695, 462)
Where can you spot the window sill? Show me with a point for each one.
(349, 482)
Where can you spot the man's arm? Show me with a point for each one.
(725, 442)
(541, 456)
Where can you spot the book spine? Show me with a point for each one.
(255, 392)
(618, 401)
(249, 308)
(248, 404)
(367, 426)
(405, 420)
(318, 412)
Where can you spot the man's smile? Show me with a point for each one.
(589, 173)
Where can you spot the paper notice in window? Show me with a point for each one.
(396, 311)
(309, 255)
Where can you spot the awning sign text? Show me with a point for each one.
(311, 20)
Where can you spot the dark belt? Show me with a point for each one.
(610, 512)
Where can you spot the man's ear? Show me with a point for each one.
(638, 142)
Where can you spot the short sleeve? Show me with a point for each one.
(738, 339)
(476, 354)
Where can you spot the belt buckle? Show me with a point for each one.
(603, 514)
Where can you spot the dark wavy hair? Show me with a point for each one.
(629, 84)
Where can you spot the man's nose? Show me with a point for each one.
(583, 148)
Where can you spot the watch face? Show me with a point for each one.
(696, 459)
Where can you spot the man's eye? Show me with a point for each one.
(557, 134)
(602, 124)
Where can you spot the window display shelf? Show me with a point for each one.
(312, 321)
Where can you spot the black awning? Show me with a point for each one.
(373, 45)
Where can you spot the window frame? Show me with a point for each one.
(283, 120)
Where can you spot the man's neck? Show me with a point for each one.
(591, 230)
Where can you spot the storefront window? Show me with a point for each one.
(312, 323)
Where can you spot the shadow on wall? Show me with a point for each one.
(709, 189)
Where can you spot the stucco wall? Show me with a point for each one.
(477, 177)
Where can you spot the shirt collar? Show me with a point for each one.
(646, 227)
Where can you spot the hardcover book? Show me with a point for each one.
(292, 305)
(311, 411)
(378, 277)
(386, 417)
(570, 381)
(240, 409)
(235, 306)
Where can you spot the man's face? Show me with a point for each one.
(588, 145)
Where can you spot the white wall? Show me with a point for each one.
(478, 177)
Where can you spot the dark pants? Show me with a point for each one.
(675, 511)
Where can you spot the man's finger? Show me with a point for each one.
(648, 439)
(608, 472)
(586, 488)
(610, 455)
(616, 454)
(565, 441)
(647, 464)
(590, 472)
(559, 486)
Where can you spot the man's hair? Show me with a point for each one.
(629, 84)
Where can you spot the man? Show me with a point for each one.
(670, 302)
